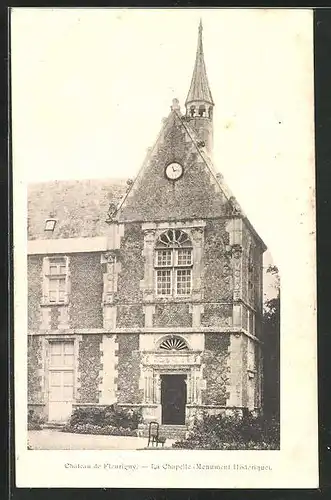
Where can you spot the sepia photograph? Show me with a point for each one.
(152, 149)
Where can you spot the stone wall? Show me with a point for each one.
(35, 364)
(244, 347)
(216, 369)
(90, 363)
(130, 316)
(54, 313)
(128, 369)
(192, 196)
(167, 315)
(218, 315)
(85, 294)
(246, 243)
(259, 296)
(85, 310)
(132, 265)
(35, 264)
(217, 277)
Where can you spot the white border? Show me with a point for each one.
(295, 466)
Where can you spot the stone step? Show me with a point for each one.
(176, 432)
(53, 425)
(170, 430)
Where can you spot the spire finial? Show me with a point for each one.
(199, 103)
(200, 27)
(199, 89)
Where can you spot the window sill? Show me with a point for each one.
(173, 298)
(176, 267)
(57, 304)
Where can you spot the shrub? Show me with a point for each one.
(232, 433)
(112, 420)
(35, 420)
(106, 430)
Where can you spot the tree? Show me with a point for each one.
(271, 349)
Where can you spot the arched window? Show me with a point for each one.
(173, 344)
(173, 263)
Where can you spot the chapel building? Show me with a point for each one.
(147, 293)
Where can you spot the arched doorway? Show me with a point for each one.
(171, 379)
(173, 385)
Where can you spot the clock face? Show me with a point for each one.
(174, 171)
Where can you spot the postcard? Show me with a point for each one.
(164, 248)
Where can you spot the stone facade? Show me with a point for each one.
(90, 363)
(35, 363)
(101, 328)
(128, 363)
(86, 281)
(216, 370)
(159, 200)
(170, 315)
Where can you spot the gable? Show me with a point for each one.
(197, 194)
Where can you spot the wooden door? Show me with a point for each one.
(60, 380)
(173, 399)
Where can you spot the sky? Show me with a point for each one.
(90, 88)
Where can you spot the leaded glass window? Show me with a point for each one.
(173, 264)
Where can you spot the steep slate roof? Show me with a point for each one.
(80, 207)
(199, 89)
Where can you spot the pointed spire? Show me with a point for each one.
(200, 27)
(199, 89)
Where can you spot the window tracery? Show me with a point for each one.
(173, 344)
(173, 263)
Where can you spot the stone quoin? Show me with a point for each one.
(147, 293)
